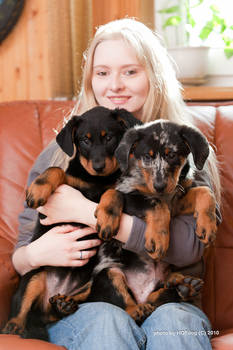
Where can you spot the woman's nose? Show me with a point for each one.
(116, 83)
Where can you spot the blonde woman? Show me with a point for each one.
(127, 67)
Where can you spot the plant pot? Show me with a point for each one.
(192, 63)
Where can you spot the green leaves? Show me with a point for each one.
(173, 9)
(172, 21)
(174, 15)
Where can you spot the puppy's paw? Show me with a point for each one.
(187, 286)
(63, 305)
(13, 326)
(206, 227)
(37, 194)
(156, 245)
(140, 312)
(43, 186)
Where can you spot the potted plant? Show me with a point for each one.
(180, 19)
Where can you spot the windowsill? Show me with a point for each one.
(207, 93)
(216, 88)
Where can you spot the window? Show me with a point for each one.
(210, 19)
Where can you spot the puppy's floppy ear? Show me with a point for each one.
(123, 150)
(125, 118)
(197, 143)
(65, 136)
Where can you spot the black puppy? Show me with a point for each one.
(94, 136)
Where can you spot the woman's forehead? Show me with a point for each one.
(117, 49)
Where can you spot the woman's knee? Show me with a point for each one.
(103, 311)
(179, 316)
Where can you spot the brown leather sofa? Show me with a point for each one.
(27, 127)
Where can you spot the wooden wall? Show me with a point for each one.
(36, 57)
(29, 57)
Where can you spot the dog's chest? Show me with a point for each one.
(142, 281)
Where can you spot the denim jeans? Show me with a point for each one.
(103, 326)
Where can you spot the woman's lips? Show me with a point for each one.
(118, 100)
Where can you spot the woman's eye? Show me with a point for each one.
(130, 72)
(102, 73)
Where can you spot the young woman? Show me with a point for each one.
(127, 67)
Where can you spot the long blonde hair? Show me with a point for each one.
(164, 99)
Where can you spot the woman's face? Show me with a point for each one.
(118, 79)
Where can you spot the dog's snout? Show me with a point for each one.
(98, 166)
(159, 186)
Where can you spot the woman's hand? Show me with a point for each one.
(67, 204)
(59, 247)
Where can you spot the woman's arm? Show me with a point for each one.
(185, 248)
(57, 247)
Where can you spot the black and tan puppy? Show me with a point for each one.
(159, 161)
(157, 182)
(91, 140)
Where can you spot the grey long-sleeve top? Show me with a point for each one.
(184, 249)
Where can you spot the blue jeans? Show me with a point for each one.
(100, 326)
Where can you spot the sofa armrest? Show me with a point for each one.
(8, 279)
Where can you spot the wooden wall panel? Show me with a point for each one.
(35, 59)
(108, 10)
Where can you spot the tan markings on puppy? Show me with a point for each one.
(173, 178)
(201, 202)
(108, 214)
(77, 183)
(35, 292)
(103, 133)
(111, 166)
(118, 280)
(44, 185)
(153, 297)
(151, 153)
(147, 185)
(157, 230)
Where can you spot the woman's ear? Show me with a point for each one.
(65, 136)
(197, 144)
(123, 150)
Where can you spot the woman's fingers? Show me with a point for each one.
(84, 254)
(86, 244)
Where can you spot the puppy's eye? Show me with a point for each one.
(147, 157)
(108, 138)
(171, 155)
(86, 140)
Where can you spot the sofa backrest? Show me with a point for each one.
(27, 127)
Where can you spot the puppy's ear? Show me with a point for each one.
(125, 118)
(197, 144)
(65, 136)
(123, 150)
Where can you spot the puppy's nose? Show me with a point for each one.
(159, 186)
(98, 166)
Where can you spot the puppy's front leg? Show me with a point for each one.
(45, 184)
(157, 230)
(200, 201)
(108, 214)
